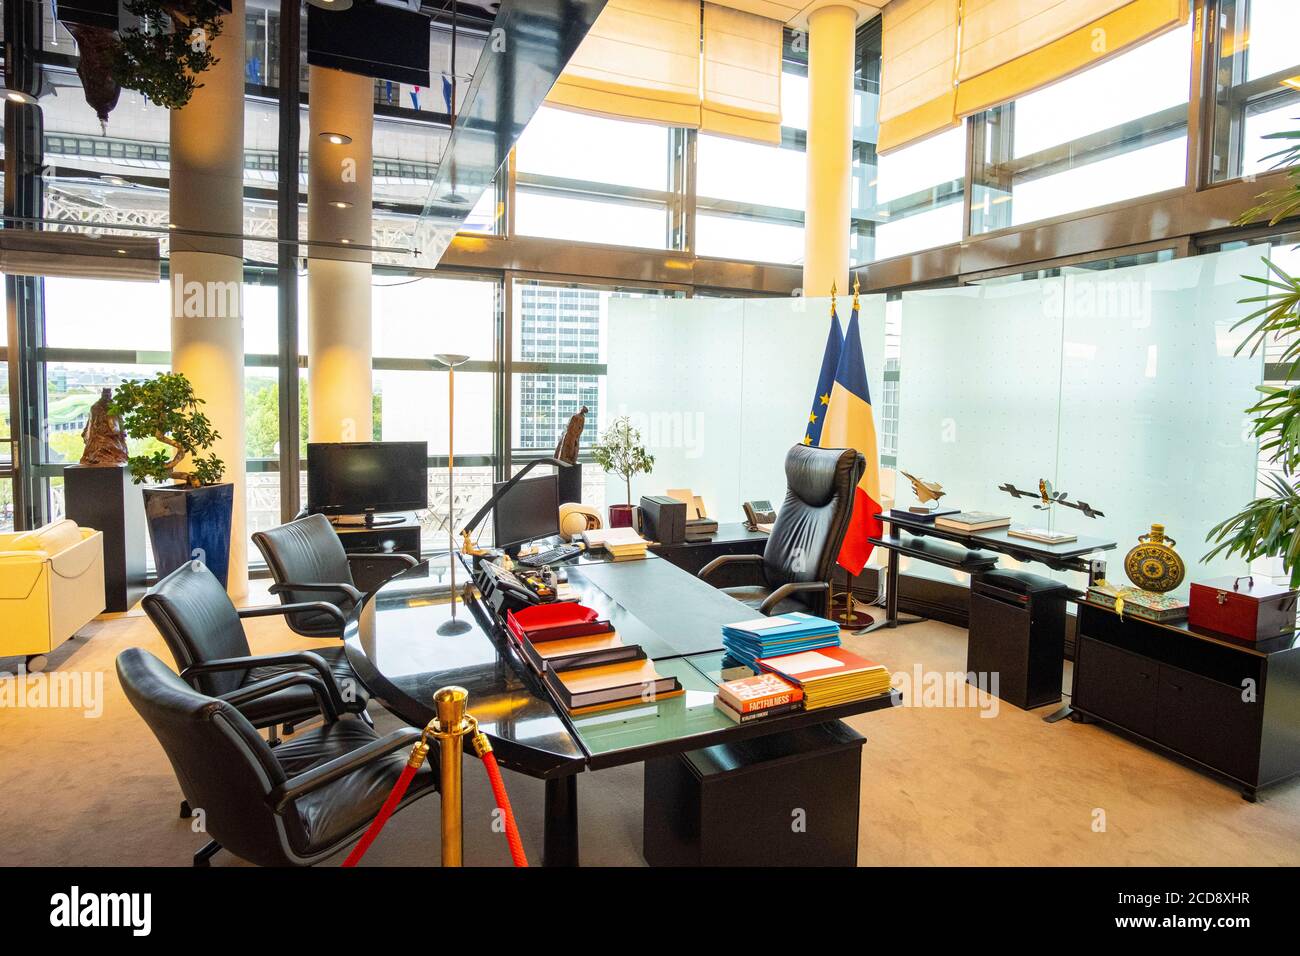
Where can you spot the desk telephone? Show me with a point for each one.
(759, 513)
(504, 589)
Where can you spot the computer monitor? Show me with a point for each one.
(529, 510)
(367, 476)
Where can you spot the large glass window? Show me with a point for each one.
(910, 199)
(1258, 84)
(589, 179)
(1110, 133)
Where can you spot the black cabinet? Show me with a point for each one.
(1232, 707)
(1017, 631)
(732, 538)
(401, 538)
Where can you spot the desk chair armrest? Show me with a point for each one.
(390, 556)
(340, 588)
(304, 658)
(708, 569)
(267, 610)
(785, 590)
(327, 695)
(286, 793)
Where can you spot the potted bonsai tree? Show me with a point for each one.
(620, 452)
(188, 510)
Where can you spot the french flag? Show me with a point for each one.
(850, 423)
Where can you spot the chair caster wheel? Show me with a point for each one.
(287, 729)
(186, 810)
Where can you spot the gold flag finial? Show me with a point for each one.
(832, 297)
(857, 287)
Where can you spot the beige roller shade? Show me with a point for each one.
(742, 75)
(918, 70)
(640, 61)
(1013, 47)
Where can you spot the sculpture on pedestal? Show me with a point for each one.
(103, 435)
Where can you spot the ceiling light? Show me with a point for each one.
(346, 241)
(18, 96)
(121, 252)
(116, 181)
(338, 139)
(332, 4)
(340, 204)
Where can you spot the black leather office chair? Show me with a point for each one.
(794, 571)
(308, 563)
(205, 633)
(291, 806)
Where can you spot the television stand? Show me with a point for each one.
(372, 521)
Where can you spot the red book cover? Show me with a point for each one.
(553, 622)
(808, 666)
(758, 693)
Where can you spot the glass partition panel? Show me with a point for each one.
(980, 373)
(1152, 404)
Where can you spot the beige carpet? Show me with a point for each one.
(940, 785)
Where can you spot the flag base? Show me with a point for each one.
(844, 609)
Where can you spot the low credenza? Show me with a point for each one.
(1227, 706)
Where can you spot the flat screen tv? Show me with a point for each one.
(371, 39)
(365, 477)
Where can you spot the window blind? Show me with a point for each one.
(742, 75)
(639, 61)
(918, 70)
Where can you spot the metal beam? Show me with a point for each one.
(287, 256)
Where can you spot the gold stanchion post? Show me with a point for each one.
(452, 725)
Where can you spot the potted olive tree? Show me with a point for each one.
(188, 509)
(620, 452)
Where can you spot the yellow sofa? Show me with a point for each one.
(51, 586)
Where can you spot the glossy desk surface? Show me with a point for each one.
(393, 644)
(999, 540)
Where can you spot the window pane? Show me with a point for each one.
(1258, 84)
(552, 216)
(752, 200)
(1113, 132)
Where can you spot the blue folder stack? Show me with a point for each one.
(751, 641)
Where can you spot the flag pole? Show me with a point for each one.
(846, 614)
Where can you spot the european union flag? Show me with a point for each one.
(825, 381)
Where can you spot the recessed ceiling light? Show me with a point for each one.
(121, 252)
(338, 139)
(18, 96)
(345, 241)
(340, 204)
(116, 181)
(332, 4)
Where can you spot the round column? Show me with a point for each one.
(207, 274)
(341, 113)
(831, 32)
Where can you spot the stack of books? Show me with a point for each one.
(830, 676)
(751, 641)
(968, 522)
(928, 517)
(1042, 535)
(753, 698)
(566, 634)
(583, 690)
(1147, 605)
(623, 544)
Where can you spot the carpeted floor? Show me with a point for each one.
(941, 785)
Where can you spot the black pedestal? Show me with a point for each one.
(1017, 631)
(570, 483)
(104, 498)
(786, 799)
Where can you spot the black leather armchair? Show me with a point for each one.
(205, 633)
(794, 571)
(309, 564)
(291, 806)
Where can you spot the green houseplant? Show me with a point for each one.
(189, 512)
(620, 452)
(1270, 526)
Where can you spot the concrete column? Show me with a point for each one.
(338, 279)
(207, 182)
(830, 149)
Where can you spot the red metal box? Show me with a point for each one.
(1246, 608)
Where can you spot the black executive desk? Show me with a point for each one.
(393, 644)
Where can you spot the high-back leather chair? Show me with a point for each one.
(308, 563)
(205, 633)
(291, 806)
(794, 571)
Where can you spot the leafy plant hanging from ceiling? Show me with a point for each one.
(160, 55)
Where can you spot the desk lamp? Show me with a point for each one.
(456, 625)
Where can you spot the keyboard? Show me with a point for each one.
(560, 552)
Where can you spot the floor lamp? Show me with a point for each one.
(455, 625)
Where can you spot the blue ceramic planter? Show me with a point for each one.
(187, 524)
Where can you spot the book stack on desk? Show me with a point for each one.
(971, 521)
(830, 676)
(566, 634)
(753, 698)
(751, 641)
(623, 544)
(584, 690)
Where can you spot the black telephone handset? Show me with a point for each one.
(533, 588)
(758, 512)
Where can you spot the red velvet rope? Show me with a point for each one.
(503, 801)
(386, 811)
